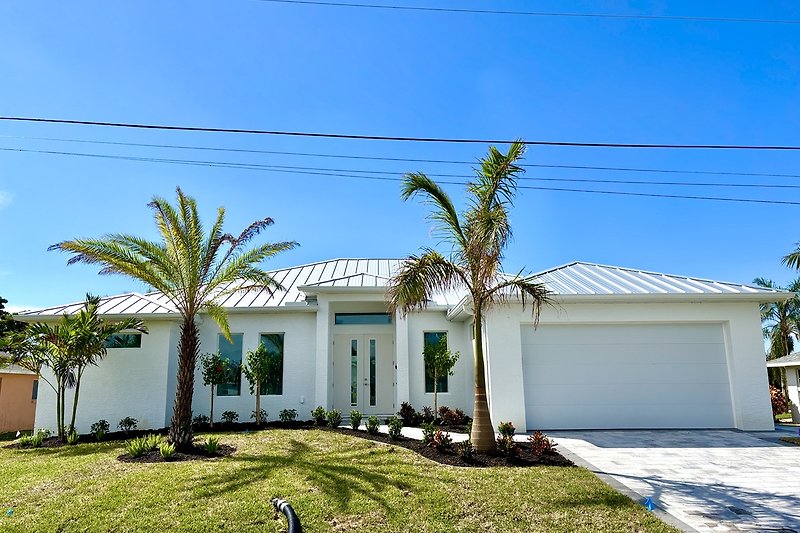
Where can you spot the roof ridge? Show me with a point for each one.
(40, 309)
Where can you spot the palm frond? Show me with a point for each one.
(420, 278)
(444, 214)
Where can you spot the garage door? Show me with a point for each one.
(626, 376)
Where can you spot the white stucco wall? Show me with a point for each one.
(128, 382)
(793, 386)
(299, 330)
(743, 347)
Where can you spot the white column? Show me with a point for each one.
(323, 363)
(403, 393)
(503, 358)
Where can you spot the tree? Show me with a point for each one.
(216, 370)
(439, 361)
(261, 365)
(195, 270)
(781, 325)
(67, 348)
(7, 322)
(477, 238)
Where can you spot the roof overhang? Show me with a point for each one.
(775, 364)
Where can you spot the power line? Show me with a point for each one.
(279, 168)
(245, 166)
(393, 138)
(399, 159)
(534, 13)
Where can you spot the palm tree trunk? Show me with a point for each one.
(63, 410)
(482, 435)
(58, 409)
(180, 429)
(75, 401)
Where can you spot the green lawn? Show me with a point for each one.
(335, 483)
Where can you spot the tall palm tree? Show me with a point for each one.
(194, 270)
(781, 325)
(477, 238)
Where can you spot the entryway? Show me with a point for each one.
(363, 373)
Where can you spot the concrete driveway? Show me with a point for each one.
(706, 480)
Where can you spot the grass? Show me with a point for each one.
(335, 483)
(783, 416)
(791, 440)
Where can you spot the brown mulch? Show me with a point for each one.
(195, 454)
(525, 457)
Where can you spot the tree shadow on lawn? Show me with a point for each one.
(63, 452)
(338, 474)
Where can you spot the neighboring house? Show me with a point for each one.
(620, 348)
(791, 364)
(18, 393)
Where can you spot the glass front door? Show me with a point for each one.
(363, 373)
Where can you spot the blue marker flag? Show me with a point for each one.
(649, 505)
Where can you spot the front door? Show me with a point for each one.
(363, 374)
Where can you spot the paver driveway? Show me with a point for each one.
(711, 480)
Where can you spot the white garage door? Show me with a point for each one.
(626, 376)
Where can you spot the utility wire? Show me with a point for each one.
(534, 13)
(398, 159)
(234, 164)
(246, 166)
(393, 138)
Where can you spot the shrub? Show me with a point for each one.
(167, 450)
(427, 415)
(318, 414)
(127, 424)
(355, 418)
(99, 429)
(409, 415)
(200, 422)
(211, 445)
(428, 430)
(540, 443)
(229, 417)
(506, 429)
(780, 404)
(442, 441)
(26, 441)
(138, 447)
(465, 450)
(334, 417)
(444, 412)
(38, 438)
(73, 438)
(454, 417)
(287, 415)
(469, 427)
(506, 446)
(264, 415)
(395, 427)
(372, 425)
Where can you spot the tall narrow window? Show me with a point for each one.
(35, 391)
(232, 351)
(274, 381)
(372, 373)
(353, 372)
(433, 337)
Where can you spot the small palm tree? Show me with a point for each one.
(193, 269)
(781, 325)
(478, 238)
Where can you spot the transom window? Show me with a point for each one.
(433, 337)
(232, 351)
(357, 319)
(124, 340)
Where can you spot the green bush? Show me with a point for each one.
(127, 424)
(395, 427)
(334, 417)
(211, 445)
(372, 425)
(355, 419)
(465, 450)
(428, 431)
(73, 438)
(167, 450)
(427, 415)
(506, 429)
(137, 447)
(318, 414)
(409, 415)
(229, 417)
(99, 429)
(287, 415)
(200, 422)
(264, 415)
(26, 441)
(37, 439)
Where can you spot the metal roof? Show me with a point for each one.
(793, 359)
(577, 278)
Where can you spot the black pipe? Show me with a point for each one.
(284, 507)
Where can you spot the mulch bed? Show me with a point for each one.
(196, 454)
(525, 458)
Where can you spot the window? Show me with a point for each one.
(232, 351)
(372, 372)
(354, 373)
(432, 337)
(35, 392)
(274, 381)
(358, 319)
(124, 340)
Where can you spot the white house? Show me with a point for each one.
(620, 348)
(791, 364)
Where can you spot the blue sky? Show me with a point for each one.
(251, 64)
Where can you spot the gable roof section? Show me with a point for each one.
(793, 359)
(573, 279)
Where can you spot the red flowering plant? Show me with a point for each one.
(216, 371)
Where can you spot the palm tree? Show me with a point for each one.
(781, 325)
(477, 239)
(194, 270)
